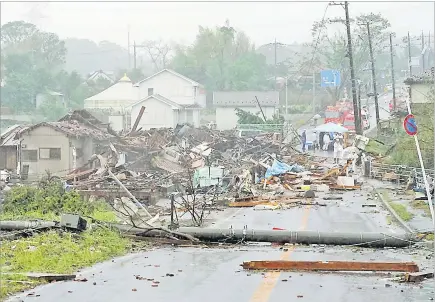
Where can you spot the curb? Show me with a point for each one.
(407, 228)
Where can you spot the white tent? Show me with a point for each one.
(331, 127)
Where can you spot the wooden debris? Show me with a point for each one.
(331, 266)
(416, 277)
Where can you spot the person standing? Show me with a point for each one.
(326, 141)
(321, 140)
(315, 141)
(304, 139)
(338, 150)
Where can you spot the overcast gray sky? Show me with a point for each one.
(288, 22)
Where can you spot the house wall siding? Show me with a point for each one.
(46, 137)
(419, 93)
(226, 118)
(8, 158)
(156, 115)
(172, 87)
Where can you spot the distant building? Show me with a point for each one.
(226, 102)
(51, 96)
(177, 99)
(173, 86)
(161, 112)
(99, 74)
(421, 90)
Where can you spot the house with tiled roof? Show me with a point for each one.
(59, 147)
(421, 89)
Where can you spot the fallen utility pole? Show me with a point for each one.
(283, 265)
(378, 240)
(24, 225)
(372, 59)
(301, 237)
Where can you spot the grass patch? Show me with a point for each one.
(400, 209)
(57, 252)
(54, 251)
(389, 219)
(421, 205)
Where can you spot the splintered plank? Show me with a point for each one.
(248, 204)
(331, 266)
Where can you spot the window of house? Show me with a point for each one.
(29, 155)
(150, 91)
(189, 116)
(49, 153)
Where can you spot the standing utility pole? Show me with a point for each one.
(128, 43)
(314, 92)
(275, 63)
(392, 72)
(357, 114)
(422, 52)
(373, 75)
(286, 95)
(409, 55)
(134, 55)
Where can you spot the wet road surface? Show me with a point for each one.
(214, 274)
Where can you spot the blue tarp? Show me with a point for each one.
(279, 168)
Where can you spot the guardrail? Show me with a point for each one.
(263, 127)
(399, 173)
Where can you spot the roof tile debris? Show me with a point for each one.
(425, 78)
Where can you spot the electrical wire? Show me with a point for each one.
(315, 47)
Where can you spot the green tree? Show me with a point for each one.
(30, 59)
(331, 51)
(74, 88)
(222, 59)
(52, 109)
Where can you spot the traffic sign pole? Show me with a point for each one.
(426, 184)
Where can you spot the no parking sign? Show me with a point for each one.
(410, 125)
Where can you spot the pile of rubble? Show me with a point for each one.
(153, 164)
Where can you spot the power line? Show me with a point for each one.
(315, 50)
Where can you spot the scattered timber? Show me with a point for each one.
(282, 265)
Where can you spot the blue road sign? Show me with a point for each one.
(330, 78)
(410, 125)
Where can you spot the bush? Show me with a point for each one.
(299, 109)
(48, 198)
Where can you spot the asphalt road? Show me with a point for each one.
(214, 274)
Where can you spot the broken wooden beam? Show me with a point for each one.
(337, 187)
(248, 204)
(45, 276)
(331, 266)
(416, 277)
